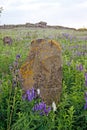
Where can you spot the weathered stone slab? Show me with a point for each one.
(7, 40)
(42, 70)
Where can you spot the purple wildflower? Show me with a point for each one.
(86, 96)
(86, 83)
(46, 111)
(66, 35)
(85, 78)
(42, 108)
(79, 67)
(29, 95)
(85, 107)
(39, 106)
(18, 56)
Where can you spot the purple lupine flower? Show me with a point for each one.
(46, 111)
(66, 35)
(29, 95)
(18, 56)
(86, 83)
(85, 107)
(42, 108)
(79, 67)
(86, 96)
(85, 78)
(39, 106)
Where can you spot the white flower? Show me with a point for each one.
(38, 91)
(54, 106)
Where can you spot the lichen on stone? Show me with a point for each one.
(43, 69)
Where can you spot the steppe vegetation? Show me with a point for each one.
(17, 112)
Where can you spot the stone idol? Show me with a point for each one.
(43, 70)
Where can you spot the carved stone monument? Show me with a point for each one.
(43, 70)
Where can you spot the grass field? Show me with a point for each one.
(18, 114)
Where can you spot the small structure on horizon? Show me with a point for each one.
(41, 24)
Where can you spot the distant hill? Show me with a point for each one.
(40, 24)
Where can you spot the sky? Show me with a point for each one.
(68, 13)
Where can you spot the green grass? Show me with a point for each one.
(17, 114)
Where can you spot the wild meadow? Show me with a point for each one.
(27, 112)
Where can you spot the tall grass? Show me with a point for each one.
(18, 114)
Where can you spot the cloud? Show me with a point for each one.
(60, 12)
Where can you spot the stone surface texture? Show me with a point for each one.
(43, 70)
